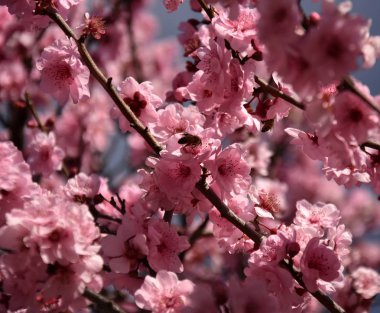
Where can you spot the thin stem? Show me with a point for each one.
(228, 214)
(103, 304)
(207, 8)
(34, 113)
(137, 66)
(370, 144)
(278, 93)
(324, 299)
(168, 215)
(349, 84)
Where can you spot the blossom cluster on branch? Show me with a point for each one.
(242, 187)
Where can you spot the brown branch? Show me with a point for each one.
(34, 113)
(202, 186)
(349, 84)
(207, 8)
(168, 215)
(370, 144)
(102, 303)
(137, 66)
(278, 93)
(324, 299)
(228, 214)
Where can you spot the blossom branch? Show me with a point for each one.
(104, 304)
(202, 186)
(278, 93)
(228, 214)
(325, 300)
(105, 82)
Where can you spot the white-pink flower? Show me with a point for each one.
(62, 72)
(230, 170)
(164, 246)
(172, 5)
(366, 282)
(176, 178)
(44, 156)
(164, 294)
(319, 215)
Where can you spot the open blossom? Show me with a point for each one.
(16, 186)
(172, 5)
(82, 187)
(62, 72)
(164, 246)
(61, 231)
(366, 282)
(240, 31)
(214, 62)
(309, 143)
(354, 117)
(319, 263)
(164, 294)
(69, 282)
(127, 248)
(140, 99)
(252, 296)
(278, 21)
(176, 178)
(44, 156)
(319, 215)
(230, 170)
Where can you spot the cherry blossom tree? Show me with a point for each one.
(245, 180)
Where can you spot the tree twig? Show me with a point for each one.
(104, 304)
(207, 8)
(34, 113)
(349, 84)
(278, 93)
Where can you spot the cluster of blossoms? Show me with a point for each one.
(220, 212)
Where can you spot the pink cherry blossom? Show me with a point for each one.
(319, 263)
(127, 248)
(140, 99)
(16, 186)
(335, 43)
(240, 31)
(63, 73)
(165, 293)
(353, 116)
(44, 156)
(278, 21)
(213, 64)
(172, 5)
(82, 187)
(319, 215)
(176, 178)
(230, 170)
(308, 141)
(164, 246)
(366, 282)
(251, 295)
